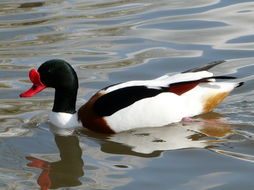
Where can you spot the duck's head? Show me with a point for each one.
(60, 75)
(54, 73)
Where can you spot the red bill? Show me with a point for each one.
(38, 86)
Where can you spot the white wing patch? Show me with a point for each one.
(162, 81)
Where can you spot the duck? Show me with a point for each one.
(134, 104)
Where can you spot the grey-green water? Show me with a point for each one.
(114, 41)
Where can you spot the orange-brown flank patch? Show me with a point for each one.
(181, 88)
(90, 120)
(210, 101)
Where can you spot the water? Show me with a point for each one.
(114, 41)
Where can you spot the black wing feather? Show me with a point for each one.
(116, 100)
(205, 67)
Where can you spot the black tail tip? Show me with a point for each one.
(240, 84)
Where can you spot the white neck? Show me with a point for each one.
(64, 120)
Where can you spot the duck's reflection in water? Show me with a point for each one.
(146, 142)
(65, 172)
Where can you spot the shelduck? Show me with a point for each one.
(133, 104)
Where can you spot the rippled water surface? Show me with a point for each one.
(114, 41)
